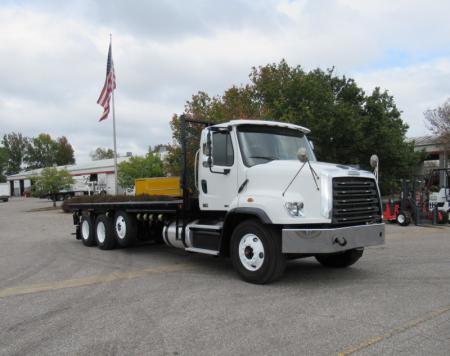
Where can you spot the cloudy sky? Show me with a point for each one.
(53, 58)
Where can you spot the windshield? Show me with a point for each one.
(262, 144)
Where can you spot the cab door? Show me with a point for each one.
(217, 181)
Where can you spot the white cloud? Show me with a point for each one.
(53, 57)
(416, 88)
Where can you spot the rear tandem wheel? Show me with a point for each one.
(104, 233)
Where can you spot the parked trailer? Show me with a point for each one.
(5, 191)
(259, 197)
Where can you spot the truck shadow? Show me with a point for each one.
(305, 271)
(309, 272)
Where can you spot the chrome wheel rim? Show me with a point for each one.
(251, 252)
(401, 219)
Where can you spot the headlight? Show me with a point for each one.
(294, 208)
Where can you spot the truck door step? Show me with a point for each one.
(202, 250)
(206, 237)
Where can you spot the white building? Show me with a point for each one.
(95, 175)
(437, 154)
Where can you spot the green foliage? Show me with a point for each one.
(3, 163)
(102, 153)
(38, 152)
(347, 126)
(42, 151)
(15, 145)
(64, 152)
(51, 181)
(139, 167)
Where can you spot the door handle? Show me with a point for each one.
(204, 186)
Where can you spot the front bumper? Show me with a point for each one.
(312, 241)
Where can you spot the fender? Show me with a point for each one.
(234, 217)
(261, 214)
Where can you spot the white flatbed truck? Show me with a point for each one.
(261, 198)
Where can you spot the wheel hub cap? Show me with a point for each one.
(85, 230)
(101, 232)
(251, 252)
(121, 228)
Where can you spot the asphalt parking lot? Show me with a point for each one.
(59, 297)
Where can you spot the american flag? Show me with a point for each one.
(110, 85)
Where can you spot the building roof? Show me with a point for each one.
(427, 140)
(100, 166)
(428, 143)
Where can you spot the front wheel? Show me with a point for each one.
(256, 252)
(341, 259)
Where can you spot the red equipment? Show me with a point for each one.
(392, 213)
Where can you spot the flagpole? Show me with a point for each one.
(114, 131)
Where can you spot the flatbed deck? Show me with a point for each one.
(155, 206)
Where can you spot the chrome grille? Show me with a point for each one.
(355, 201)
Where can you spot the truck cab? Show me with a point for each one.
(250, 171)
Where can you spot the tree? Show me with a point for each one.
(102, 153)
(347, 126)
(15, 145)
(438, 121)
(64, 152)
(3, 163)
(41, 152)
(51, 181)
(139, 167)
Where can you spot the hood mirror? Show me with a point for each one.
(302, 154)
(374, 161)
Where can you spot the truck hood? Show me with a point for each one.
(279, 173)
(267, 182)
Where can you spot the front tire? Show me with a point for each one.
(341, 259)
(104, 233)
(256, 252)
